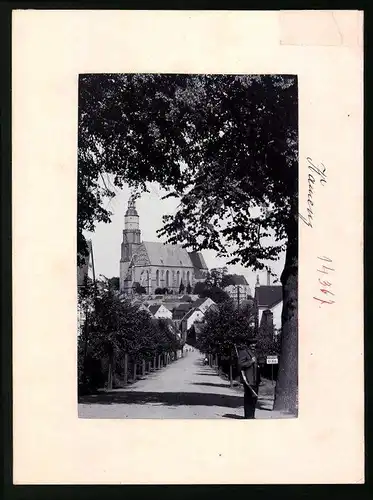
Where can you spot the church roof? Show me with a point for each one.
(161, 254)
(198, 260)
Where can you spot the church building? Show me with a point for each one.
(155, 265)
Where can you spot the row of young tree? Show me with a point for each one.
(115, 327)
(227, 327)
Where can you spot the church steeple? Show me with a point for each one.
(131, 218)
(131, 239)
(131, 209)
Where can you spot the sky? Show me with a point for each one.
(107, 237)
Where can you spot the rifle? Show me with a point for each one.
(244, 377)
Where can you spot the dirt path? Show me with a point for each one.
(185, 389)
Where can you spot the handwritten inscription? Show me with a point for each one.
(325, 284)
(316, 173)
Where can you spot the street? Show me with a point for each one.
(185, 389)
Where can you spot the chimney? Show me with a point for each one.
(257, 280)
(268, 278)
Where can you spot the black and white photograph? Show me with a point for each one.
(187, 257)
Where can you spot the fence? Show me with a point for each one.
(228, 367)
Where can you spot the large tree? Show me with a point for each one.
(226, 147)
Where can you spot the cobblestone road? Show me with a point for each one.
(185, 389)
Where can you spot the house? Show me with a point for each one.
(191, 317)
(239, 289)
(269, 298)
(204, 304)
(180, 311)
(160, 311)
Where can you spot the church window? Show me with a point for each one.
(157, 277)
(167, 278)
(178, 278)
(188, 277)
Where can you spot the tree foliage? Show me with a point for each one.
(191, 133)
(224, 328)
(215, 293)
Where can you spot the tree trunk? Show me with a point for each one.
(286, 396)
(125, 369)
(110, 377)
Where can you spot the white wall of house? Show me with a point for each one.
(232, 291)
(197, 315)
(163, 312)
(206, 304)
(277, 312)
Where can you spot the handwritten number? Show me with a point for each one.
(324, 283)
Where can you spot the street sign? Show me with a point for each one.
(272, 360)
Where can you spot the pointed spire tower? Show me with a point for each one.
(131, 240)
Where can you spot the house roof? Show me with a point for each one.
(181, 310)
(161, 254)
(198, 260)
(154, 308)
(189, 313)
(185, 306)
(268, 296)
(201, 301)
(186, 298)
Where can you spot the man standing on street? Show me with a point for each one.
(248, 367)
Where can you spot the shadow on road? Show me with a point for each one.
(232, 415)
(210, 374)
(210, 384)
(164, 398)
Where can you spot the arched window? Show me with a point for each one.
(157, 277)
(188, 278)
(167, 278)
(178, 278)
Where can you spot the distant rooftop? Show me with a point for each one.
(268, 296)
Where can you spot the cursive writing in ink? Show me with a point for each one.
(316, 173)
